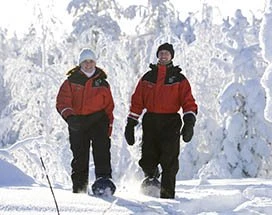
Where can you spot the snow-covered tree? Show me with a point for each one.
(194, 59)
(245, 142)
(92, 17)
(3, 55)
(7, 136)
(266, 45)
(30, 80)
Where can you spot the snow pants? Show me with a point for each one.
(93, 132)
(161, 145)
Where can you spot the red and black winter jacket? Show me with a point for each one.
(80, 95)
(163, 89)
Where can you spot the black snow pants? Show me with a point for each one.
(93, 131)
(161, 145)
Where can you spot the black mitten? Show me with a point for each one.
(129, 131)
(73, 123)
(187, 131)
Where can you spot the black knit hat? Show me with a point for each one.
(168, 47)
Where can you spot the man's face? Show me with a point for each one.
(164, 56)
(88, 65)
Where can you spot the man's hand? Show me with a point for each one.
(187, 131)
(129, 131)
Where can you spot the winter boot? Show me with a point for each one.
(103, 186)
(151, 186)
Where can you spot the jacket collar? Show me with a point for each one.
(98, 72)
(168, 66)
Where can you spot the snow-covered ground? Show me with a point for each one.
(21, 195)
(232, 138)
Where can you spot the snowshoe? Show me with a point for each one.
(151, 186)
(103, 187)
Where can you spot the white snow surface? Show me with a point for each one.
(21, 195)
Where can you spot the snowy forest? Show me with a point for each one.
(227, 64)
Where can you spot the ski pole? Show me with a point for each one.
(50, 186)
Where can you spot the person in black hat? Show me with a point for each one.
(168, 47)
(162, 91)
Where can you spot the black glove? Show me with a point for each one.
(73, 123)
(187, 131)
(129, 131)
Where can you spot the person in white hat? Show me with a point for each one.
(85, 102)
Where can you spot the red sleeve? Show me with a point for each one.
(188, 103)
(64, 100)
(137, 104)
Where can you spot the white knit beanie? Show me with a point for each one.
(86, 54)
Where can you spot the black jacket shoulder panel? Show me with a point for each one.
(176, 69)
(101, 73)
(100, 80)
(153, 66)
(174, 75)
(77, 78)
(151, 75)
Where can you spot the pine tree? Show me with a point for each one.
(244, 125)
